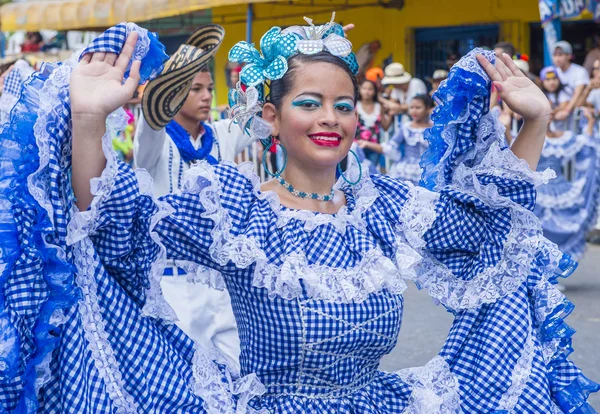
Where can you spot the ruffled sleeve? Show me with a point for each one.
(75, 287)
(199, 228)
(482, 238)
(479, 250)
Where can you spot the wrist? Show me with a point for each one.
(89, 116)
(539, 120)
(88, 121)
(88, 125)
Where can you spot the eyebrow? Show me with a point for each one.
(210, 85)
(320, 96)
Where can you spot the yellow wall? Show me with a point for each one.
(392, 27)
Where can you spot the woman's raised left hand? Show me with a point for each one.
(518, 91)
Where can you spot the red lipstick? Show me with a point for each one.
(326, 139)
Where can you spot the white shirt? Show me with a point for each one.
(594, 99)
(156, 152)
(557, 100)
(573, 77)
(369, 119)
(415, 87)
(203, 313)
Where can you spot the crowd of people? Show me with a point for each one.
(191, 284)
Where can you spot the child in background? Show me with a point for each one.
(567, 205)
(410, 138)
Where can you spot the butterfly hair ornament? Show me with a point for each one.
(277, 46)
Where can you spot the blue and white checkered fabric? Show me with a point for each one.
(112, 40)
(567, 206)
(13, 83)
(318, 356)
(312, 355)
(148, 49)
(51, 358)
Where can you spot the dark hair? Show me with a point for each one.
(36, 37)
(373, 84)
(281, 87)
(508, 48)
(556, 92)
(426, 99)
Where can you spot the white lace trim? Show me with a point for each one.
(435, 390)
(197, 273)
(39, 186)
(520, 374)
(569, 199)
(505, 164)
(490, 133)
(524, 242)
(546, 299)
(218, 395)
(241, 250)
(566, 146)
(93, 326)
(373, 273)
(50, 106)
(156, 305)
(365, 195)
(7, 101)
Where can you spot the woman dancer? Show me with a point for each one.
(567, 206)
(315, 270)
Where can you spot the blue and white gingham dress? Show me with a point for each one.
(317, 298)
(405, 150)
(567, 206)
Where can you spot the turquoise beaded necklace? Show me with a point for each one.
(303, 194)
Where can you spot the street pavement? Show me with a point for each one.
(425, 326)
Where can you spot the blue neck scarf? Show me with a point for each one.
(188, 153)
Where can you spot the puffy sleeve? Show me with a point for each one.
(476, 231)
(478, 249)
(135, 233)
(77, 287)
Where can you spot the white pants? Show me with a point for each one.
(205, 315)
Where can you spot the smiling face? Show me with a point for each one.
(198, 103)
(316, 119)
(551, 84)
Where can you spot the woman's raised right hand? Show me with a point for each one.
(97, 86)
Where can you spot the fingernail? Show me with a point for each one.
(498, 86)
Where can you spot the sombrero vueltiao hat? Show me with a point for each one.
(164, 96)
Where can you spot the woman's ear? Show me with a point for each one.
(271, 115)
